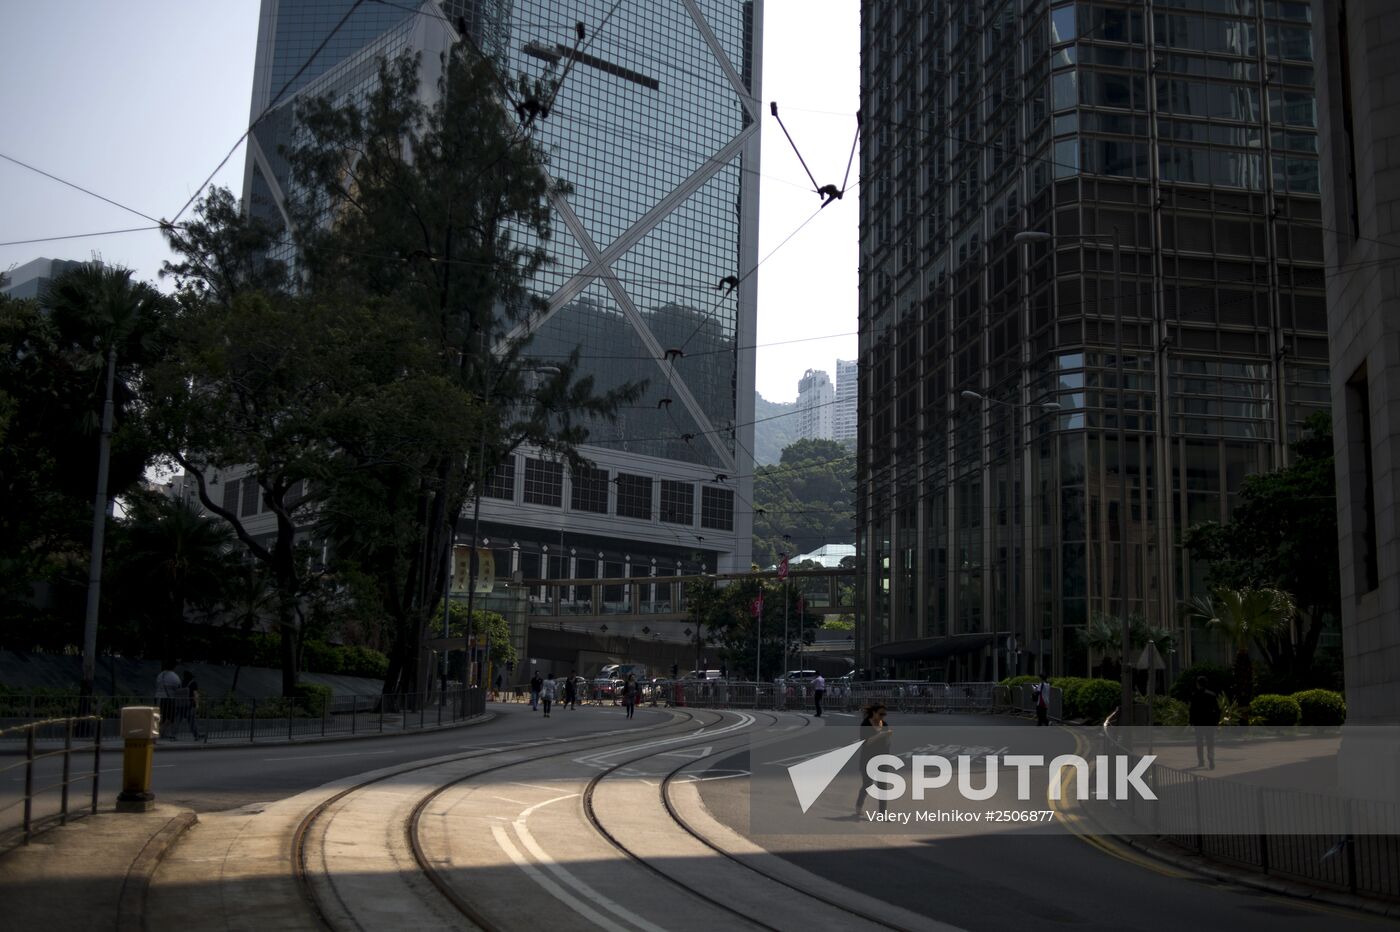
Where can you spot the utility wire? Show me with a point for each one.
(78, 187)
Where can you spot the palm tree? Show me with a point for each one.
(179, 557)
(1103, 635)
(1244, 617)
(114, 315)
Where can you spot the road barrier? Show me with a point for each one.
(231, 719)
(30, 734)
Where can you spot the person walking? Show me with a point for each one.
(629, 694)
(190, 700)
(1042, 701)
(876, 737)
(571, 692)
(167, 692)
(818, 692)
(548, 691)
(535, 685)
(1204, 716)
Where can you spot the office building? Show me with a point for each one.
(815, 401)
(843, 427)
(1358, 58)
(655, 128)
(26, 281)
(1166, 293)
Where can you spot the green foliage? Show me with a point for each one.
(1219, 679)
(491, 626)
(1274, 710)
(1167, 710)
(807, 496)
(1244, 618)
(724, 615)
(1090, 699)
(775, 429)
(315, 698)
(1282, 534)
(1320, 707)
(1024, 680)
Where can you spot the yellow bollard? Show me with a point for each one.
(140, 728)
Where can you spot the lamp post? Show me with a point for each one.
(1124, 511)
(783, 569)
(1012, 575)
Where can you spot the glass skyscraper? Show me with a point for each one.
(1158, 160)
(654, 126)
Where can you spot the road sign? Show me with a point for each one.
(1150, 659)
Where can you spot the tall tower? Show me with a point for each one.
(1111, 207)
(655, 127)
(814, 405)
(844, 416)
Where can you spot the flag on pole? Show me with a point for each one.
(756, 606)
(783, 567)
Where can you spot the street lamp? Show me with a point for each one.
(1012, 574)
(1125, 647)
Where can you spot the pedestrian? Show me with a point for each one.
(535, 685)
(548, 691)
(500, 684)
(190, 700)
(167, 691)
(875, 736)
(571, 691)
(1204, 716)
(629, 694)
(1042, 701)
(818, 691)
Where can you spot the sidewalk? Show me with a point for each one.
(81, 875)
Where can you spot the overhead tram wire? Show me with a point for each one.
(78, 187)
(268, 109)
(54, 239)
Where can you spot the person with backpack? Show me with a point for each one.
(536, 684)
(629, 694)
(571, 691)
(876, 738)
(548, 691)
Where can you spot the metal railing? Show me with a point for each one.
(231, 720)
(1188, 804)
(32, 756)
(899, 696)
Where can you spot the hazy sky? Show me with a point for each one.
(138, 101)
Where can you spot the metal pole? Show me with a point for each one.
(471, 562)
(1125, 671)
(787, 644)
(99, 528)
(446, 617)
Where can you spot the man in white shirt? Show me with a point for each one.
(818, 691)
(167, 691)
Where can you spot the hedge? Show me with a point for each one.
(1274, 710)
(1321, 707)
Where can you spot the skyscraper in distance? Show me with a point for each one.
(654, 125)
(844, 416)
(815, 399)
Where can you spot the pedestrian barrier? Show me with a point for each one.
(899, 696)
(1280, 845)
(232, 719)
(30, 733)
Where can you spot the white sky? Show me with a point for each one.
(138, 101)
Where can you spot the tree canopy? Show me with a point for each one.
(808, 496)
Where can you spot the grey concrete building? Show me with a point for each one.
(26, 281)
(844, 419)
(1359, 131)
(815, 406)
(1111, 207)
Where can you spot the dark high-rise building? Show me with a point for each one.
(654, 125)
(1091, 304)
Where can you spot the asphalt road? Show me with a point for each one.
(998, 881)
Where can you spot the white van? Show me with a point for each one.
(702, 675)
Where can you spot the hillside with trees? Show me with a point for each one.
(808, 495)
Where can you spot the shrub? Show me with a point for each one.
(1167, 711)
(1020, 680)
(1274, 710)
(1219, 678)
(364, 661)
(314, 697)
(1321, 707)
(1096, 698)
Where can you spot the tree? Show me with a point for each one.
(806, 496)
(724, 615)
(1244, 618)
(487, 627)
(1283, 535)
(441, 213)
(171, 557)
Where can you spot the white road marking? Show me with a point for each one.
(533, 872)
(522, 831)
(536, 786)
(518, 802)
